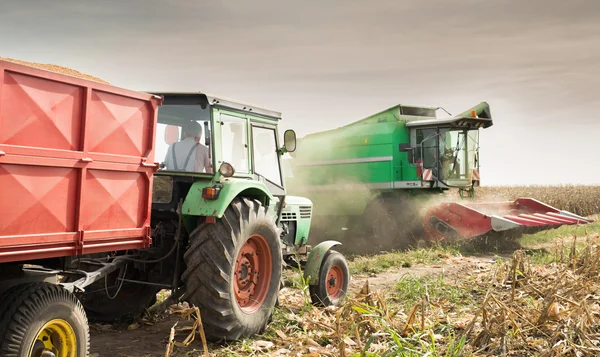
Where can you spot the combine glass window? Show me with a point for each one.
(428, 146)
(459, 150)
(266, 161)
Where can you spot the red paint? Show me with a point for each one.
(76, 174)
(252, 275)
(419, 168)
(472, 220)
(334, 282)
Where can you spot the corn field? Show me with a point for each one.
(579, 199)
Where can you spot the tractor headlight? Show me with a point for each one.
(226, 170)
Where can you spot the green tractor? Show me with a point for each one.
(241, 228)
(221, 237)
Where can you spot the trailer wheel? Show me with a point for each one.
(234, 270)
(42, 319)
(334, 277)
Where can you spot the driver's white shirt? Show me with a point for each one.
(199, 160)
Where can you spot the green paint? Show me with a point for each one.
(315, 259)
(343, 169)
(195, 205)
(301, 208)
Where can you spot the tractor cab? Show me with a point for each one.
(199, 136)
(446, 151)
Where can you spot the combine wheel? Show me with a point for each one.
(333, 280)
(234, 270)
(42, 320)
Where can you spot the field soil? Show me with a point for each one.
(150, 339)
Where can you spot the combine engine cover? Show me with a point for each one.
(452, 221)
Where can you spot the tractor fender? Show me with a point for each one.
(315, 258)
(195, 205)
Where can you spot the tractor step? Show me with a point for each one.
(451, 221)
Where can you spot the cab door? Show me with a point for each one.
(266, 164)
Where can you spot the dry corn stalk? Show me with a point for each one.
(196, 328)
(171, 342)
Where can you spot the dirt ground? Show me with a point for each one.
(149, 340)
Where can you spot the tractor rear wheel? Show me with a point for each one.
(42, 319)
(334, 276)
(233, 271)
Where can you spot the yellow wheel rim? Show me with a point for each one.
(56, 336)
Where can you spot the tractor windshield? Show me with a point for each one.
(458, 154)
(183, 138)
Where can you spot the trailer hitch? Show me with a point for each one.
(91, 277)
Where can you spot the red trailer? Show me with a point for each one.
(76, 164)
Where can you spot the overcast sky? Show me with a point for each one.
(328, 63)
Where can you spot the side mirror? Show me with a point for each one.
(410, 150)
(171, 134)
(289, 140)
(405, 148)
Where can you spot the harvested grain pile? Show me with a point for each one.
(55, 68)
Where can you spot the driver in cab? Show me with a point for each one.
(189, 154)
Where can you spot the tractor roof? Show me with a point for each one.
(204, 99)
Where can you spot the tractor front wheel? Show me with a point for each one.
(233, 271)
(42, 319)
(334, 277)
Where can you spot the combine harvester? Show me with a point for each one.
(374, 181)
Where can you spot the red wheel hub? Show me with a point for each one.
(252, 275)
(335, 282)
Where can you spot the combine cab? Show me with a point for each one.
(452, 221)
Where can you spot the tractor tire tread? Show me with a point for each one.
(209, 260)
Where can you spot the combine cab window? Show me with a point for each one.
(266, 161)
(428, 147)
(234, 142)
(459, 153)
(452, 157)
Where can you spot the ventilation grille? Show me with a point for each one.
(305, 211)
(288, 216)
